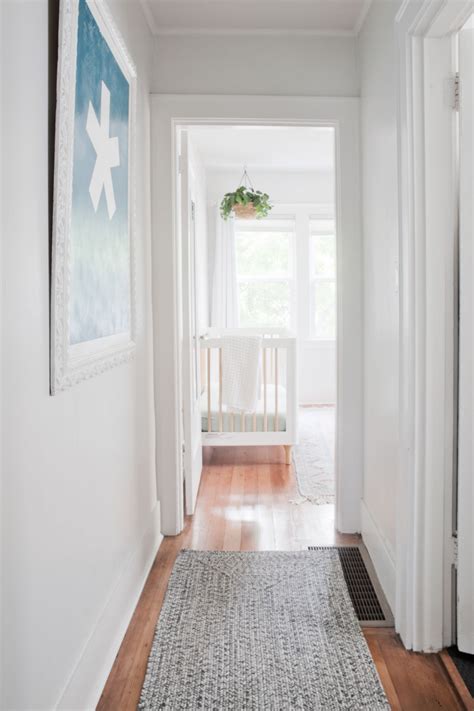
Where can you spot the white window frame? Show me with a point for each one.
(302, 280)
(303, 214)
(264, 226)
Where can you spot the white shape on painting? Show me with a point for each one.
(107, 150)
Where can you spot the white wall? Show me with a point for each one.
(280, 66)
(317, 373)
(377, 60)
(79, 509)
(283, 186)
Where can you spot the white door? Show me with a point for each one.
(192, 446)
(465, 601)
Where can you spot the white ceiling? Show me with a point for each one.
(305, 17)
(264, 147)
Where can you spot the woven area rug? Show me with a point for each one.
(313, 457)
(259, 631)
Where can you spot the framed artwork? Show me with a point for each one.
(92, 287)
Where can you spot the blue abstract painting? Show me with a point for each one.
(100, 240)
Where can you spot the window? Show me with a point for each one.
(265, 272)
(323, 279)
(286, 274)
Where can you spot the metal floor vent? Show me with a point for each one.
(369, 602)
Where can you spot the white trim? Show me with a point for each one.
(381, 554)
(172, 111)
(264, 32)
(149, 17)
(426, 218)
(465, 525)
(362, 17)
(90, 673)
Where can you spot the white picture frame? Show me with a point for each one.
(74, 360)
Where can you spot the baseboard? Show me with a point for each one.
(380, 552)
(88, 678)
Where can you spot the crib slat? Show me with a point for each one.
(242, 422)
(220, 389)
(276, 391)
(264, 354)
(254, 422)
(209, 417)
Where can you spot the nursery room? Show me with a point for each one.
(262, 307)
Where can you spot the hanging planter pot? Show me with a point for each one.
(245, 212)
(245, 203)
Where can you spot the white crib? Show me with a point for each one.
(275, 420)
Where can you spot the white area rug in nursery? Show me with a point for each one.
(313, 457)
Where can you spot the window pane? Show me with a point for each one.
(264, 303)
(322, 226)
(263, 253)
(325, 309)
(323, 256)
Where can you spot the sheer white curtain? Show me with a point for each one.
(224, 305)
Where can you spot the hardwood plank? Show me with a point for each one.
(457, 681)
(244, 504)
(418, 678)
(233, 524)
(385, 678)
(265, 509)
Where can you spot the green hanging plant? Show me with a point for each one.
(245, 202)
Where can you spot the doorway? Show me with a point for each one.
(428, 228)
(342, 117)
(261, 275)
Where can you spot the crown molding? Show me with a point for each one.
(158, 31)
(228, 32)
(149, 17)
(362, 15)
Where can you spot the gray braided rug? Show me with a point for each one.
(260, 631)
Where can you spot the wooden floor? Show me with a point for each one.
(244, 504)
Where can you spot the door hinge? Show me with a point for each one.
(456, 91)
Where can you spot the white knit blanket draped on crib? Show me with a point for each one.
(240, 372)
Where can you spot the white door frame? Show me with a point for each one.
(169, 112)
(192, 438)
(465, 482)
(428, 224)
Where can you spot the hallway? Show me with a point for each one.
(244, 504)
